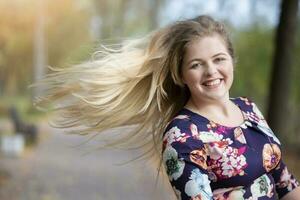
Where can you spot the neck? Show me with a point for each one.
(220, 107)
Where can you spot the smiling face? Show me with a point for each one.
(207, 69)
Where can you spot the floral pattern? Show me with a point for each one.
(286, 180)
(230, 163)
(262, 186)
(229, 193)
(205, 136)
(174, 165)
(199, 157)
(198, 185)
(174, 135)
(239, 135)
(202, 156)
(262, 124)
(271, 156)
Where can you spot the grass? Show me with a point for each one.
(23, 105)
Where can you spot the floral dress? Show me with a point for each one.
(205, 160)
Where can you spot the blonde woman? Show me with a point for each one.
(173, 87)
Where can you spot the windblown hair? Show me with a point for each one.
(139, 84)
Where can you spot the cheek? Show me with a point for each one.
(229, 76)
(227, 71)
(192, 77)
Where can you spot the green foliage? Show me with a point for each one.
(15, 45)
(24, 106)
(296, 70)
(254, 49)
(66, 29)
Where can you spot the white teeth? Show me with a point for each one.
(212, 83)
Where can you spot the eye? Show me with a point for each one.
(195, 65)
(219, 59)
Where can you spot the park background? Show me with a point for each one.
(35, 34)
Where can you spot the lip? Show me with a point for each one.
(213, 87)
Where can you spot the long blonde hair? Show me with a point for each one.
(137, 83)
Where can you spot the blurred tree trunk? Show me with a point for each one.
(103, 11)
(112, 17)
(154, 13)
(120, 18)
(39, 55)
(280, 87)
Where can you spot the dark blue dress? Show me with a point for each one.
(206, 160)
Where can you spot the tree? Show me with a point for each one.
(39, 55)
(280, 87)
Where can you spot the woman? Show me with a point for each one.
(216, 147)
(174, 85)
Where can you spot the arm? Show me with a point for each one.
(184, 158)
(287, 186)
(293, 195)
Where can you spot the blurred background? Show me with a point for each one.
(38, 162)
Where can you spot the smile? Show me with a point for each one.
(212, 83)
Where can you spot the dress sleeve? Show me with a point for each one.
(184, 157)
(284, 180)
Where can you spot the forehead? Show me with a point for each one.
(205, 47)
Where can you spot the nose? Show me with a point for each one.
(211, 68)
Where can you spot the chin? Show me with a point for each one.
(218, 96)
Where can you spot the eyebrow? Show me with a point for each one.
(199, 59)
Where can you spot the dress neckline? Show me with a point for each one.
(216, 123)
